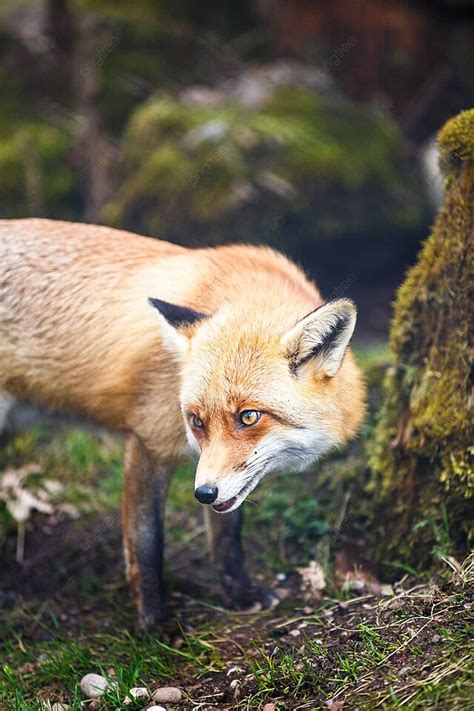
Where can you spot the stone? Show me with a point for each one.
(168, 695)
(136, 692)
(93, 686)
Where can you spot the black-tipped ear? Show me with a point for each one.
(323, 336)
(176, 315)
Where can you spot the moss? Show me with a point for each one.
(423, 474)
(456, 140)
(231, 170)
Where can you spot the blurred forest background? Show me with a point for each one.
(308, 125)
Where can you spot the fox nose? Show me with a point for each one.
(206, 494)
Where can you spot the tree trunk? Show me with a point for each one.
(421, 459)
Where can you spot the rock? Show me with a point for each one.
(156, 708)
(93, 686)
(213, 130)
(137, 692)
(269, 707)
(168, 695)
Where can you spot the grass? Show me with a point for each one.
(126, 658)
(67, 612)
(380, 665)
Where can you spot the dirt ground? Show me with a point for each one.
(372, 646)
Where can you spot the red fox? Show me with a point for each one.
(228, 354)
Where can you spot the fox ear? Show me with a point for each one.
(322, 335)
(173, 319)
(176, 315)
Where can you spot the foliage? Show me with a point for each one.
(36, 175)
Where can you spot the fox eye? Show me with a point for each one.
(196, 422)
(250, 417)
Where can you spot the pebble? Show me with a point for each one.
(269, 707)
(168, 695)
(137, 692)
(93, 686)
(156, 708)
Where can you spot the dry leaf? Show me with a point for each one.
(314, 579)
(21, 501)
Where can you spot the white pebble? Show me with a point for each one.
(168, 695)
(93, 686)
(156, 708)
(137, 692)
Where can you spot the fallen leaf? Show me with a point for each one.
(313, 577)
(335, 705)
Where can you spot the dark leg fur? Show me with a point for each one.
(146, 485)
(225, 539)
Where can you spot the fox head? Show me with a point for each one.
(261, 393)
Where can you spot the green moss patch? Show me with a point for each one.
(422, 460)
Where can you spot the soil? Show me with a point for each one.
(63, 555)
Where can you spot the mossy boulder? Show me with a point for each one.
(422, 463)
(298, 166)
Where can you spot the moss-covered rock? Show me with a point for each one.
(295, 166)
(423, 473)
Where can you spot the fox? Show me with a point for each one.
(227, 356)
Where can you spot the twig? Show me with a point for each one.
(20, 542)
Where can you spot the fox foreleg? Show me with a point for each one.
(225, 542)
(145, 490)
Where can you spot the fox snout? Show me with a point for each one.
(206, 494)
